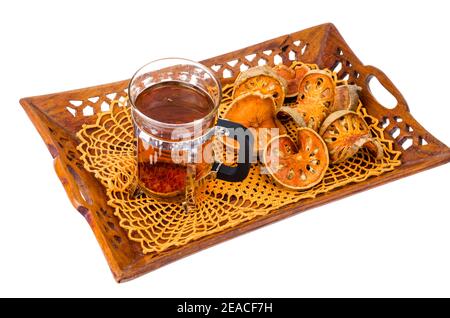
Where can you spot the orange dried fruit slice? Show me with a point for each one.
(345, 132)
(314, 101)
(346, 98)
(317, 87)
(255, 111)
(297, 166)
(293, 77)
(261, 79)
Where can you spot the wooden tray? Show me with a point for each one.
(59, 116)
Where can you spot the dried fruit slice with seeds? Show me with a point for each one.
(314, 101)
(261, 79)
(345, 132)
(317, 87)
(255, 111)
(300, 166)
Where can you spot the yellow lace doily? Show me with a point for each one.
(107, 150)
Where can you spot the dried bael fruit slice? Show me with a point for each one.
(314, 101)
(293, 77)
(255, 111)
(346, 98)
(345, 132)
(261, 79)
(297, 167)
(317, 87)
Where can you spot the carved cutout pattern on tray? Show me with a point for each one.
(289, 52)
(401, 130)
(68, 159)
(94, 104)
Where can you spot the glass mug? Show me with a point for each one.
(174, 104)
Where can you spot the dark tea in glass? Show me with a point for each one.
(164, 172)
(174, 105)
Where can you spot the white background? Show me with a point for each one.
(389, 241)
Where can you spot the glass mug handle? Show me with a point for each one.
(245, 139)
